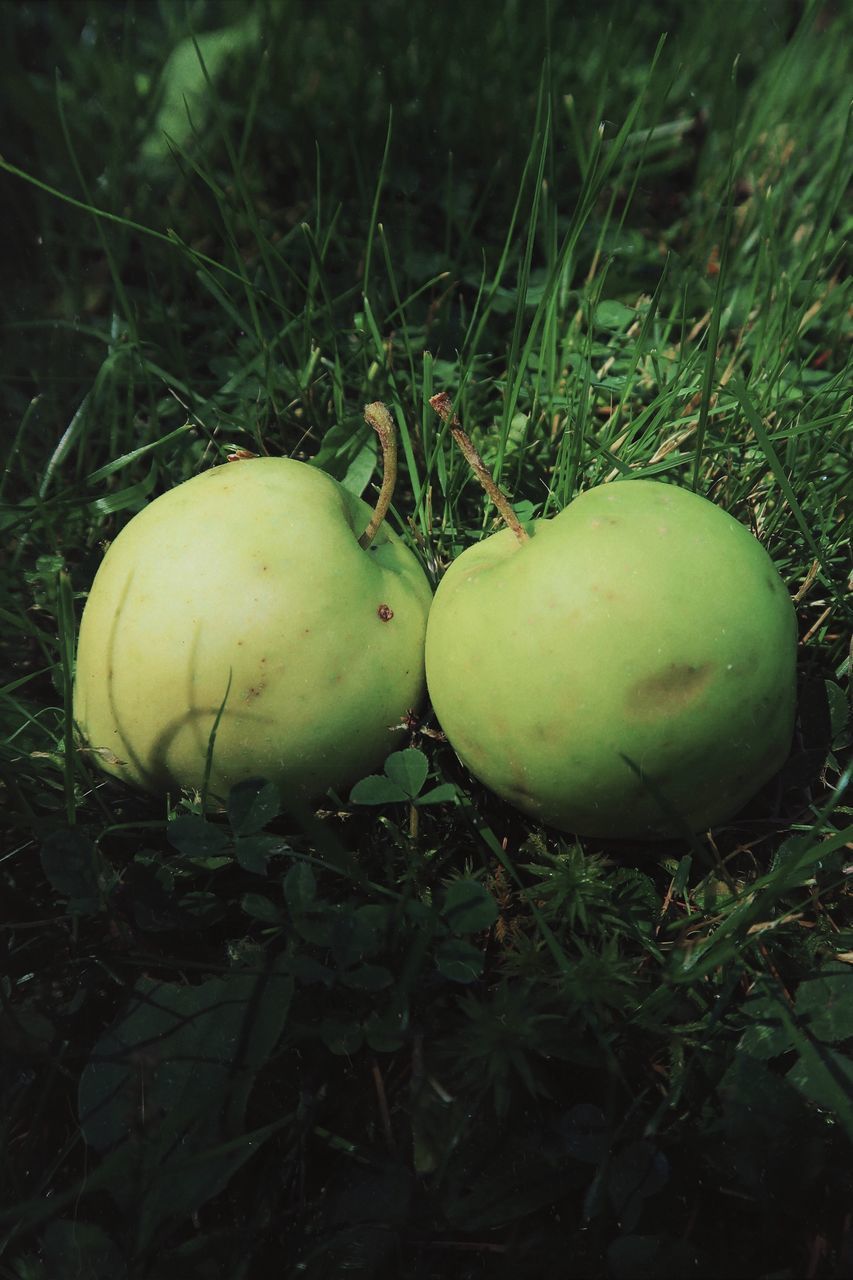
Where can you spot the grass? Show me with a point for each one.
(422, 1037)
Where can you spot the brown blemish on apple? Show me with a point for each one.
(672, 689)
(385, 612)
(255, 691)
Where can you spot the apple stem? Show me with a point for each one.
(377, 416)
(443, 406)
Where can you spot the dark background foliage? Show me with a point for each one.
(410, 1034)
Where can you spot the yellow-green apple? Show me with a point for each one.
(627, 670)
(250, 580)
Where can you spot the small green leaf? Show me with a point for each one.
(408, 769)
(195, 837)
(377, 789)
(345, 448)
(357, 935)
(635, 899)
(444, 793)
(826, 1004)
(839, 714)
(767, 1032)
(343, 940)
(756, 1103)
(260, 908)
(386, 1033)
(253, 804)
(420, 912)
(340, 1036)
(211, 864)
(69, 859)
(254, 852)
(371, 1195)
(790, 851)
(585, 1131)
(357, 475)
(633, 1257)
(368, 977)
(202, 909)
(300, 888)
(825, 1077)
(170, 1081)
(75, 1250)
(372, 922)
(307, 970)
(183, 1051)
(637, 1171)
(26, 1032)
(317, 926)
(458, 960)
(525, 510)
(681, 879)
(514, 1183)
(613, 315)
(767, 1035)
(468, 907)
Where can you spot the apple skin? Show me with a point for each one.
(641, 622)
(251, 571)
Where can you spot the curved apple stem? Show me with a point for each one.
(443, 406)
(377, 416)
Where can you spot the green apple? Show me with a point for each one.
(626, 671)
(249, 581)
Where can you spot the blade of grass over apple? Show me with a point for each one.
(211, 742)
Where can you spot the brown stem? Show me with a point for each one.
(377, 416)
(382, 1099)
(443, 406)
